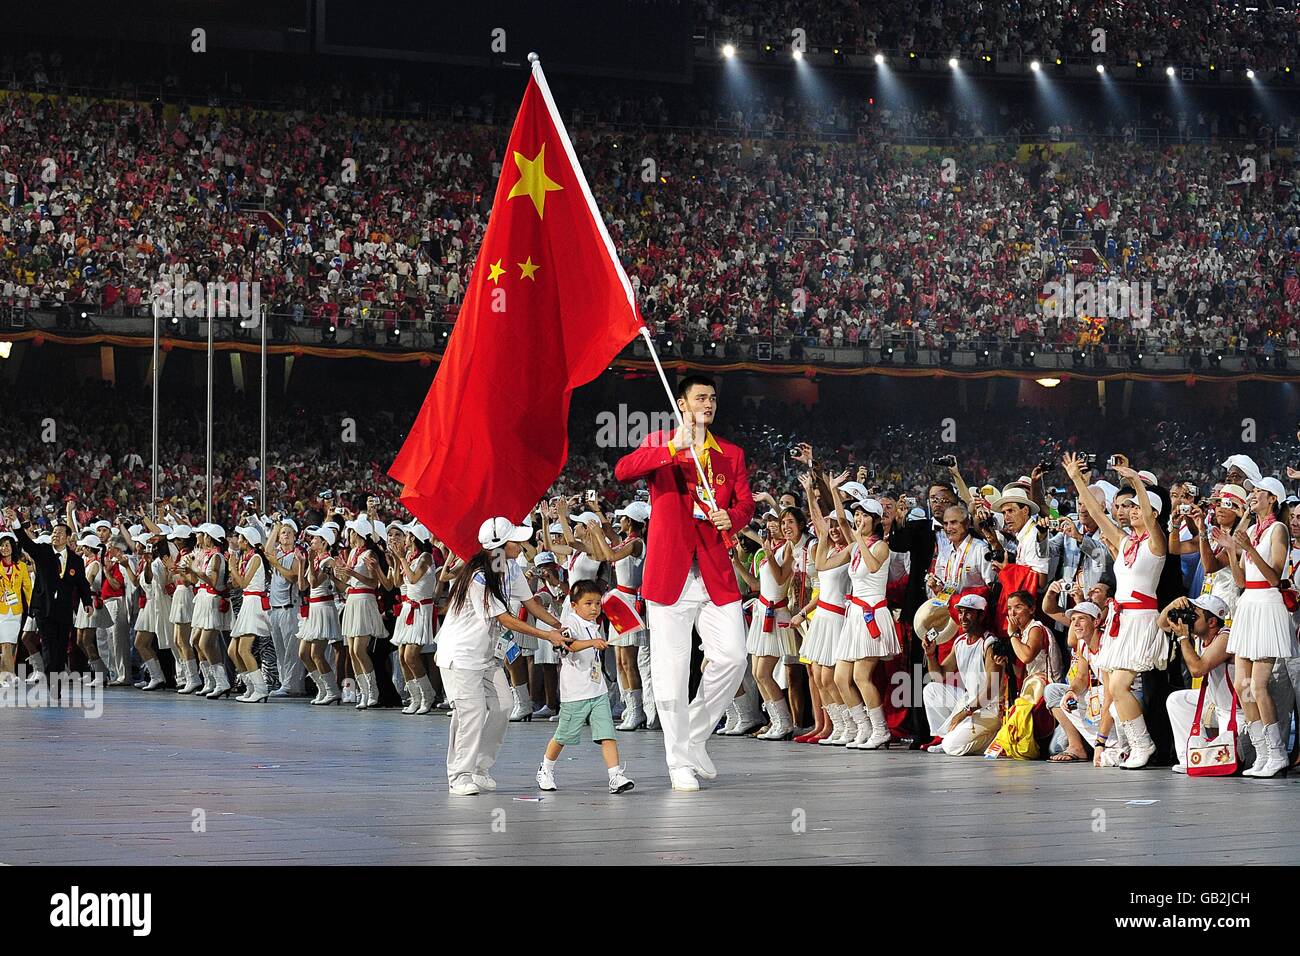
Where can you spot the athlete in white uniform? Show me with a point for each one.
(966, 718)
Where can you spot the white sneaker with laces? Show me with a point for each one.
(1179, 768)
(618, 783)
(543, 712)
(484, 781)
(464, 788)
(546, 778)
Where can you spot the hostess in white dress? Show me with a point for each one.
(416, 613)
(1262, 627)
(361, 617)
(769, 629)
(254, 618)
(1132, 641)
(869, 629)
(828, 617)
(627, 578)
(322, 622)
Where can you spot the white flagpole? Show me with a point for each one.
(545, 90)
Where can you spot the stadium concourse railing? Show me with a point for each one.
(425, 341)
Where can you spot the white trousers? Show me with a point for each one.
(688, 726)
(114, 641)
(284, 635)
(644, 668)
(1181, 705)
(972, 735)
(479, 719)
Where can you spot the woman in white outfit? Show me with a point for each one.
(831, 560)
(206, 570)
(153, 624)
(551, 595)
(1262, 628)
(770, 637)
(88, 620)
(1133, 643)
(628, 558)
(469, 656)
(362, 570)
(189, 678)
(1224, 518)
(322, 625)
(869, 635)
(248, 572)
(413, 630)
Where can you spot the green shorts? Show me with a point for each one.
(576, 714)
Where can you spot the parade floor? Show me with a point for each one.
(161, 779)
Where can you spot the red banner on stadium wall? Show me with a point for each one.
(547, 308)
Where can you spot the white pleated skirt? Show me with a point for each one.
(855, 641)
(154, 618)
(819, 644)
(1139, 646)
(545, 653)
(781, 641)
(1262, 627)
(361, 617)
(252, 619)
(322, 624)
(207, 614)
(96, 617)
(182, 606)
(419, 631)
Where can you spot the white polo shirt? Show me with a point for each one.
(466, 636)
(581, 677)
(1028, 550)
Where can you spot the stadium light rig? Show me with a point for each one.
(797, 54)
(952, 63)
(880, 59)
(1170, 72)
(1250, 74)
(1101, 68)
(728, 50)
(1035, 66)
(1048, 382)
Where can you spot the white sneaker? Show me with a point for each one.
(683, 779)
(544, 712)
(464, 788)
(618, 783)
(484, 781)
(702, 763)
(1178, 768)
(546, 778)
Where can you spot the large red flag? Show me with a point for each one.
(547, 308)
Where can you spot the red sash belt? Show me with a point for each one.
(362, 591)
(869, 614)
(266, 598)
(1141, 602)
(836, 608)
(1258, 586)
(635, 592)
(224, 606)
(412, 605)
(328, 598)
(140, 600)
(769, 613)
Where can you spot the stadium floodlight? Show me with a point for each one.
(1035, 65)
(797, 54)
(880, 59)
(1048, 382)
(1169, 72)
(728, 50)
(1250, 74)
(1101, 68)
(952, 62)
(5, 349)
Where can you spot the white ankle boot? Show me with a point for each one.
(414, 703)
(836, 714)
(426, 695)
(732, 715)
(261, 689)
(1270, 751)
(782, 726)
(880, 735)
(155, 671)
(862, 720)
(330, 691)
(633, 715)
(523, 709)
(1141, 746)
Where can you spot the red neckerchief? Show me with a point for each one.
(1131, 548)
(857, 555)
(1257, 533)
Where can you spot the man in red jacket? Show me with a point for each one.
(688, 581)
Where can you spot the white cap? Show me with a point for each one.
(1108, 491)
(141, 538)
(855, 488)
(495, 532)
(1156, 504)
(89, 541)
(8, 534)
(588, 517)
(870, 506)
(1213, 604)
(251, 533)
(417, 531)
(290, 523)
(135, 529)
(556, 528)
(361, 526)
(381, 529)
(212, 530)
(96, 525)
(1272, 486)
(179, 531)
(43, 539)
(1247, 466)
(638, 511)
(973, 601)
(325, 532)
(543, 557)
(1148, 478)
(1088, 608)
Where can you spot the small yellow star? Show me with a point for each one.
(495, 272)
(527, 268)
(533, 181)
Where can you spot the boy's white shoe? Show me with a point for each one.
(618, 783)
(545, 778)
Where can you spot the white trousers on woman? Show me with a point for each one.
(688, 724)
(479, 719)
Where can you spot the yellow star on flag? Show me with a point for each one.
(533, 181)
(495, 272)
(527, 268)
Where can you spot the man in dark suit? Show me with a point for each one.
(919, 538)
(60, 586)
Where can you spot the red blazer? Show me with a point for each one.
(676, 536)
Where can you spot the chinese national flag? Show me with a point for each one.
(547, 308)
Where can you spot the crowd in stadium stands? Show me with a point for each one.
(822, 241)
(1193, 33)
(99, 449)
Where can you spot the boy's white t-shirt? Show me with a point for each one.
(581, 674)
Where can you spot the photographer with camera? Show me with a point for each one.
(967, 564)
(1199, 626)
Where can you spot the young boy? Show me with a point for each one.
(583, 695)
